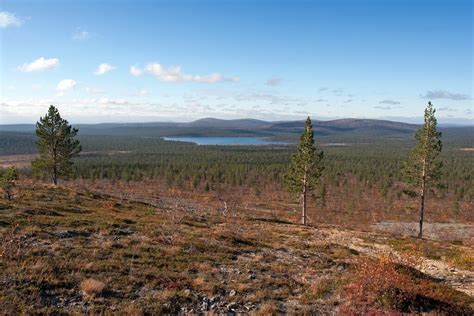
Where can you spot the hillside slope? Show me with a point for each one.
(80, 251)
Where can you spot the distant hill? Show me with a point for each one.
(238, 124)
(347, 124)
(17, 128)
(341, 130)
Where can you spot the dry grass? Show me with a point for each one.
(74, 251)
(457, 256)
(92, 287)
(268, 308)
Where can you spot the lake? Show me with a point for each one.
(223, 140)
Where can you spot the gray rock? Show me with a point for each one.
(232, 306)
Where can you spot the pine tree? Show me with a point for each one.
(56, 146)
(422, 167)
(305, 167)
(10, 175)
(322, 195)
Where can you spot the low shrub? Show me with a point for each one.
(390, 286)
(92, 287)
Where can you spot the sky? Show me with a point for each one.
(143, 61)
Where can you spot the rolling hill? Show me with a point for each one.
(210, 124)
(16, 136)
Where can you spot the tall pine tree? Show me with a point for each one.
(305, 168)
(56, 146)
(422, 167)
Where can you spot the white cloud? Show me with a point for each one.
(81, 35)
(9, 19)
(174, 74)
(40, 64)
(443, 94)
(389, 102)
(65, 85)
(104, 68)
(135, 71)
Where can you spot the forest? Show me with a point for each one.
(355, 165)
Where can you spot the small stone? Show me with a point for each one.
(232, 306)
(123, 231)
(232, 293)
(67, 234)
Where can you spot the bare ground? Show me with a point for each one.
(435, 231)
(375, 245)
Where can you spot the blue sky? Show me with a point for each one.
(123, 61)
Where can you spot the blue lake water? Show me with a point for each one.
(223, 140)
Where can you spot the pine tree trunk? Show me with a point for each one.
(422, 199)
(53, 148)
(55, 175)
(303, 219)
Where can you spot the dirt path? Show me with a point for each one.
(461, 280)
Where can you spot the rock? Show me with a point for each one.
(232, 293)
(123, 231)
(232, 306)
(249, 306)
(72, 234)
(67, 234)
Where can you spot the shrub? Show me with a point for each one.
(10, 175)
(390, 286)
(92, 287)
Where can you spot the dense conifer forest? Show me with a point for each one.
(374, 161)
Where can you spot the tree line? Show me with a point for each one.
(302, 173)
